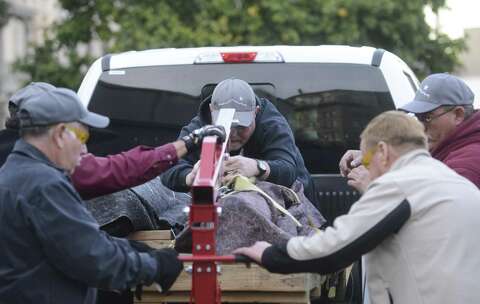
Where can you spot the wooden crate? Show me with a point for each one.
(239, 284)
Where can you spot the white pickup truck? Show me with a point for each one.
(327, 93)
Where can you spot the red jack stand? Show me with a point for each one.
(203, 219)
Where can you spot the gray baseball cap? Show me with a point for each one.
(440, 90)
(234, 94)
(56, 106)
(26, 92)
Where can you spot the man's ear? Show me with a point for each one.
(257, 109)
(58, 135)
(384, 152)
(459, 115)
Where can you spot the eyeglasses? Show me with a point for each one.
(428, 117)
(367, 157)
(80, 134)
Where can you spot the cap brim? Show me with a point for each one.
(243, 119)
(95, 120)
(417, 107)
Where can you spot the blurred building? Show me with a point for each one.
(470, 70)
(28, 20)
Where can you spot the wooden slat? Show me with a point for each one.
(151, 235)
(239, 284)
(230, 297)
(239, 278)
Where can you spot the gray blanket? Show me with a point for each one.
(150, 206)
(248, 217)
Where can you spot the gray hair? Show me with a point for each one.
(469, 110)
(36, 131)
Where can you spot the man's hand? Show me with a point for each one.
(191, 176)
(351, 159)
(239, 165)
(359, 178)
(168, 267)
(194, 139)
(254, 252)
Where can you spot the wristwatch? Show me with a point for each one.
(262, 167)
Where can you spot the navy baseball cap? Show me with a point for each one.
(57, 105)
(439, 90)
(234, 94)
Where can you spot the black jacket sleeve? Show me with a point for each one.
(380, 213)
(72, 242)
(174, 178)
(277, 145)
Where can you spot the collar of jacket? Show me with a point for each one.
(464, 134)
(402, 161)
(24, 148)
(408, 158)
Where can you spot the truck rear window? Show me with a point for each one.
(327, 105)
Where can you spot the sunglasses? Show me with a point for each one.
(428, 117)
(81, 135)
(367, 157)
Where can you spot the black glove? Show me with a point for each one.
(139, 246)
(194, 139)
(168, 267)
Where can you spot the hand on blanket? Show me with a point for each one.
(254, 252)
(239, 165)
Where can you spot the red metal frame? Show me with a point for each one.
(203, 220)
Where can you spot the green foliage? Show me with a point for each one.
(122, 25)
(3, 12)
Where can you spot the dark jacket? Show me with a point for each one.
(97, 176)
(461, 149)
(52, 250)
(271, 141)
(8, 137)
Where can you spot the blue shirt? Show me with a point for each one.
(52, 250)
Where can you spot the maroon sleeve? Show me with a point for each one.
(96, 176)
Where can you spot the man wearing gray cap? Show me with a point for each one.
(52, 248)
(261, 142)
(444, 104)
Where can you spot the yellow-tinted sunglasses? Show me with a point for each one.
(367, 157)
(81, 135)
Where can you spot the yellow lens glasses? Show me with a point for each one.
(367, 157)
(81, 135)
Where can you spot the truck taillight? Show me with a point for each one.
(238, 57)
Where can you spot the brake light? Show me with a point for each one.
(239, 57)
